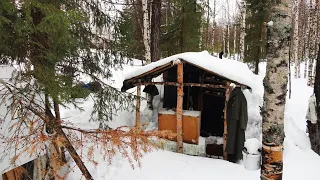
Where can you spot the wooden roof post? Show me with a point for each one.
(225, 132)
(138, 105)
(179, 107)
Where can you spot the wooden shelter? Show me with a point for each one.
(189, 88)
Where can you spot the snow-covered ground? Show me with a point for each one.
(300, 162)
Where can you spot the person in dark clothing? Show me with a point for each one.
(237, 119)
(221, 54)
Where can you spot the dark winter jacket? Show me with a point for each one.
(237, 118)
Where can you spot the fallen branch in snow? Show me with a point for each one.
(32, 129)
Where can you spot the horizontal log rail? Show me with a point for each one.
(184, 84)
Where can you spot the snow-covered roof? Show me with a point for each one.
(227, 68)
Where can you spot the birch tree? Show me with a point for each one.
(203, 5)
(242, 30)
(275, 85)
(307, 40)
(213, 24)
(312, 42)
(146, 31)
(296, 39)
(228, 29)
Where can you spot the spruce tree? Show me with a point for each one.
(54, 42)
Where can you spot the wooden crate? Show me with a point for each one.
(190, 124)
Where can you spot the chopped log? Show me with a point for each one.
(138, 106)
(184, 84)
(179, 107)
(225, 131)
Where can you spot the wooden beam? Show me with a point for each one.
(138, 105)
(225, 125)
(184, 84)
(179, 107)
(160, 68)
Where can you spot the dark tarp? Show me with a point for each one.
(237, 118)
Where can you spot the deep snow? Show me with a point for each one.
(300, 162)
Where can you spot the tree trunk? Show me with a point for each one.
(257, 61)
(306, 42)
(155, 30)
(203, 4)
(182, 30)
(312, 43)
(146, 31)
(208, 22)
(296, 39)
(242, 31)
(213, 24)
(275, 85)
(314, 129)
(234, 42)
(228, 30)
(228, 41)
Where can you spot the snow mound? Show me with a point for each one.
(252, 145)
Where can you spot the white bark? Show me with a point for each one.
(306, 43)
(214, 24)
(296, 39)
(312, 42)
(39, 167)
(224, 40)
(203, 5)
(242, 30)
(275, 85)
(228, 41)
(228, 30)
(146, 31)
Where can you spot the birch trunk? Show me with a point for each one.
(312, 43)
(242, 31)
(207, 25)
(306, 42)
(275, 85)
(223, 40)
(228, 41)
(228, 30)
(214, 24)
(146, 31)
(296, 39)
(203, 4)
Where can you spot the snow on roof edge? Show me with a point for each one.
(228, 68)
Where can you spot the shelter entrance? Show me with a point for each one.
(212, 115)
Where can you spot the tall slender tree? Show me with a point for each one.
(296, 38)
(146, 30)
(314, 129)
(242, 30)
(275, 85)
(312, 41)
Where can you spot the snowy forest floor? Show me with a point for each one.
(300, 162)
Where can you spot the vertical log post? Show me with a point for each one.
(179, 107)
(225, 132)
(138, 105)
